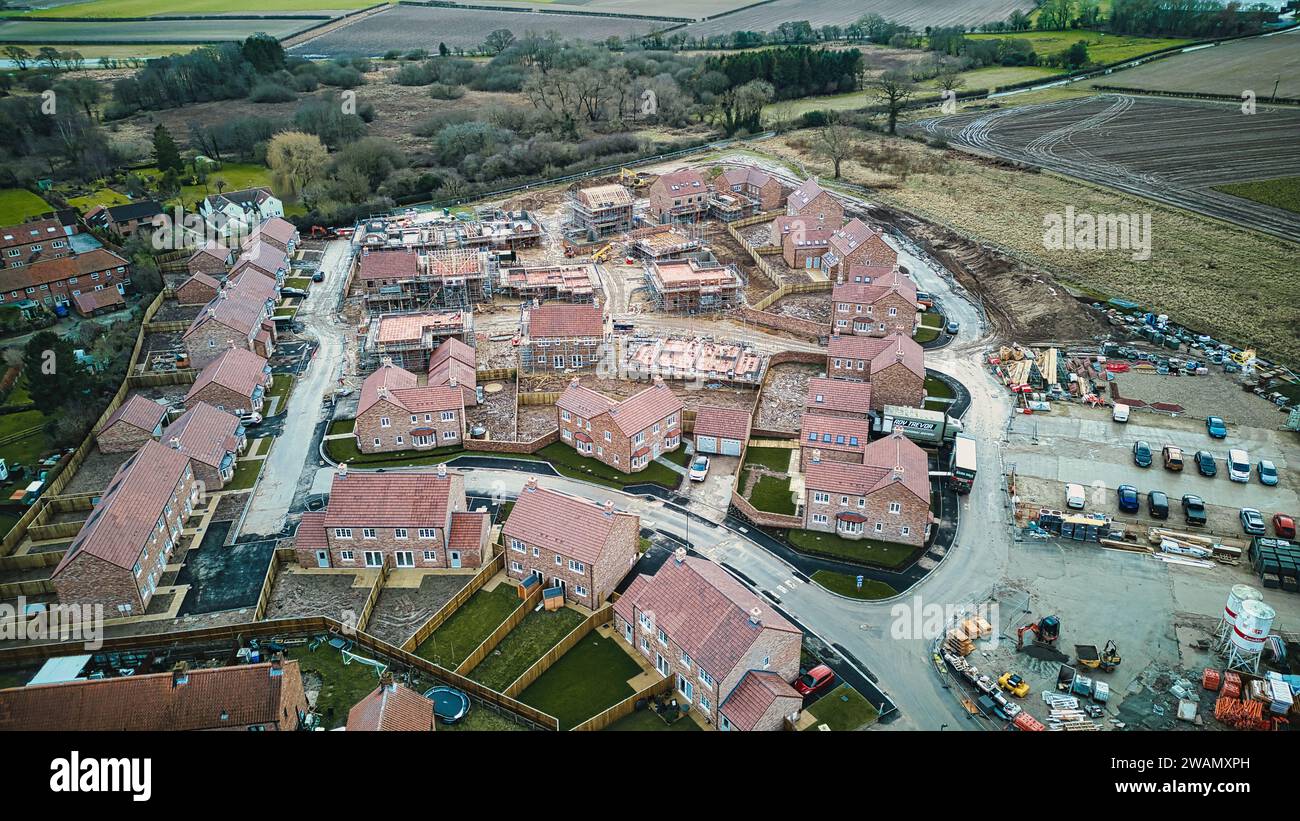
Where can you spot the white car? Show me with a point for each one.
(250, 418)
(1238, 465)
(699, 468)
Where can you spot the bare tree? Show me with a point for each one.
(894, 89)
(835, 143)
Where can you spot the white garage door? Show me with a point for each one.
(706, 444)
(730, 447)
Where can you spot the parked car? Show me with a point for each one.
(319, 276)
(250, 418)
(815, 680)
(1284, 526)
(292, 292)
(699, 468)
(1158, 504)
(1173, 458)
(1252, 522)
(1128, 498)
(1267, 472)
(953, 327)
(1193, 510)
(1074, 497)
(1205, 463)
(1142, 454)
(1238, 465)
(1216, 428)
(1120, 412)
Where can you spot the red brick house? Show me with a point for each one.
(744, 192)
(212, 258)
(236, 381)
(730, 656)
(816, 205)
(400, 519)
(121, 551)
(838, 397)
(34, 240)
(563, 336)
(396, 412)
(805, 248)
(59, 280)
(572, 543)
(278, 233)
(239, 317)
(264, 258)
(894, 365)
(199, 289)
(626, 435)
(391, 707)
(679, 196)
(136, 421)
(878, 302)
(857, 244)
(265, 696)
(838, 438)
(885, 497)
(453, 363)
(212, 439)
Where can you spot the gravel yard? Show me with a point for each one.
(230, 506)
(1215, 394)
(401, 610)
(781, 407)
(296, 595)
(497, 410)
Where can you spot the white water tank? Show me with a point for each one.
(1238, 594)
(1253, 624)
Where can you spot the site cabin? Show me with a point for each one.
(962, 466)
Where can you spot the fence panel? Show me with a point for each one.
(440, 616)
(561, 647)
(490, 643)
(624, 708)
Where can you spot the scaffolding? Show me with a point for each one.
(693, 285)
(410, 339)
(599, 211)
(662, 242)
(447, 279)
(575, 282)
(694, 358)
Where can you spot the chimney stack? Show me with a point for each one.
(531, 484)
(755, 616)
(175, 443)
(442, 470)
(679, 555)
(609, 507)
(342, 470)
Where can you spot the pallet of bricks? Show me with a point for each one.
(1276, 562)
(1248, 702)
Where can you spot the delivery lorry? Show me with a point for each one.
(925, 427)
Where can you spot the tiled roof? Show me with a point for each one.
(834, 428)
(755, 693)
(139, 412)
(467, 530)
(880, 351)
(277, 229)
(808, 238)
(143, 210)
(212, 699)
(565, 320)
(204, 280)
(853, 234)
(640, 410)
(237, 308)
(212, 249)
(262, 256)
(47, 271)
(884, 281)
(454, 359)
(390, 500)
(389, 265)
(237, 369)
(391, 707)
(583, 401)
(411, 327)
(682, 181)
(310, 534)
(804, 194)
(205, 434)
(29, 232)
(703, 609)
(746, 175)
(125, 518)
(401, 387)
(572, 527)
(91, 301)
(894, 458)
(729, 423)
(838, 395)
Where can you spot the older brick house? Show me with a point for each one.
(23, 244)
(391, 707)
(816, 205)
(886, 497)
(894, 365)
(838, 397)
(199, 289)
(265, 696)
(58, 280)
(212, 258)
(717, 640)
(212, 439)
(122, 550)
(563, 336)
(239, 317)
(396, 412)
(679, 196)
(877, 302)
(838, 438)
(126, 219)
(857, 244)
(627, 435)
(578, 545)
(136, 421)
(400, 519)
(236, 381)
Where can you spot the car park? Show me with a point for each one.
(1142, 454)
(1128, 498)
(1252, 522)
(1284, 526)
(1158, 504)
(1267, 472)
(1205, 463)
(699, 468)
(1238, 465)
(1173, 458)
(1193, 510)
(1215, 426)
(815, 680)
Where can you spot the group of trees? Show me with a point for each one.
(793, 71)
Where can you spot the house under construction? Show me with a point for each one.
(574, 282)
(487, 229)
(410, 339)
(693, 285)
(403, 281)
(694, 358)
(600, 211)
(662, 242)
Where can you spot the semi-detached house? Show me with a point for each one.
(627, 435)
(236, 381)
(874, 301)
(894, 365)
(885, 496)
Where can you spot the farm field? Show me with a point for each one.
(18, 204)
(18, 30)
(1279, 193)
(409, 27)
(1230, 68)
(1102, 48)
(916, 13)
(690, 9)
(141, 51)
(1173, 151)
(157, 8)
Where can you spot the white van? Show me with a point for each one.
(1119, 413)
(1238, 465)
(1074, 498)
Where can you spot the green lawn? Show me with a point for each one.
(1283, 192)
(775, 459)
(483, 720)
(590, 678)
(260, 449)
(100, 196)
(302, 283)
(30, 448)
(567, 462)
(342, 426)
(343, 685)
(537, 633)
(1102, 48)
(345, 450)
(468, 626)
(19, 205)
(993, 77)
(280, 313)
(847, 585)
(844, 709)
(245, 477)
(773, 494)
(863, 551)
(925, 334)
(643, 721)
(678, 457)
(938, 389)
(281, 384)
(238, 176)
(932, 319)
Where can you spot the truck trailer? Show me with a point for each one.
(925, 427)
(962, 467)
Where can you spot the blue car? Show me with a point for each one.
(1267, 472)
(1128, 498)
(1216, 428)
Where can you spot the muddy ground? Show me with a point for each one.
(813, 307)
(401, 610)
(783, 398)
(497, 410)
(690, 393)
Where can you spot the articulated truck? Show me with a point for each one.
(925, 427)
(962, 466)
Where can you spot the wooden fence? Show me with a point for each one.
(368, 609)
(490, 643)
(539, 397)
(440, 616)
(561, 647)
(493, 374)
(625, 708)
(31, 561)
(155, 379)
(278, 557)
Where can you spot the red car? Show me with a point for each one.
(816, 679)
(1283, 526)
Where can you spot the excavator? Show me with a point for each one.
(1046, 631)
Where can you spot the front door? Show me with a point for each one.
(627, 631)
(322, 558)
(455, 558)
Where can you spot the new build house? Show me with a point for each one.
(561, 336)
(212, 258)
(396, 412)
(399, 519)
(276, 232)
(894, 365)
(391, 707)
(199, 289)
(722, 431)
(122, 549)
(857, 244)
(453, 364)
(410, 339)
(838, 438)
(626, 434)
(239, 317)
(693, 286)
(235, 381)
(838, 397)
(601, 210)
(729, 655)
(581, 546)
(264, 258)
(679, 196)
(212, 439)
(816, 205)
(874, 301)
(136, 421)
(886, 496)
(744, 192)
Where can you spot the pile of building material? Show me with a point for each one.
(1248, 702)
(959, 642)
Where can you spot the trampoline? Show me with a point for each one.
(449, 704)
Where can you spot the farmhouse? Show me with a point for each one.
(124, 220)
(399, 519)
(563, 336)
(838, 438)
(409, 339)
(728, 656)
(237, 212)
(136, 421)
(838, 397)
(199, 289)
(679, 196)
(720, 430)
(817, 206)
(744, 192)
(235, 381)
(885, 497)
(857, 244)
(212, 258)
(626, 435)
(122, 550)
(894, 365)
(395, 412)
(601, 210)
(691, 286)
(453, 364)
(211, 438)
(59, 280)
(879, 302)
(391, 707)
(579, 546)
(265, 696)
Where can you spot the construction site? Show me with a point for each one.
(395, 281)
(691, 359)
(409, 339)
(691, 286)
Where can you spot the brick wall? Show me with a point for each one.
(897, 385)
(195, 293)
(789, 324)
(222, 398)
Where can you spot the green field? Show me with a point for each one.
(100, 196)
(140, 51)
(237, 176)
(1102, 48)
(1283, 192)
(151, 8)
(19, 204)
(472, 622)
